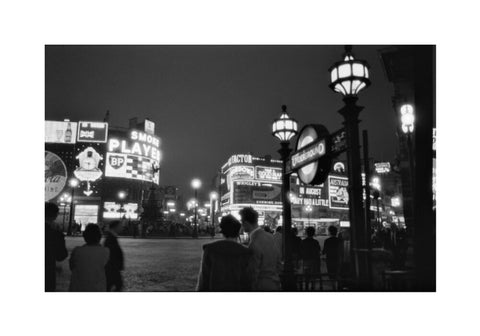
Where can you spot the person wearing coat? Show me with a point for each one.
(87, 263)
(115, 264)
(266, 256)
(55, 249)
(225, 264)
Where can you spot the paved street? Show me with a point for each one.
(151, 264)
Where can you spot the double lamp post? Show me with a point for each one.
(348, 77)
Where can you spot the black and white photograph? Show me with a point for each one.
(239, 168)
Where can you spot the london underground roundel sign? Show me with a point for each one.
(312, 154)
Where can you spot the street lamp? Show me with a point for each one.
(213, 199)
(285, 128)
(73, 183)
(408, 122)
(196, 184)
(349, 77)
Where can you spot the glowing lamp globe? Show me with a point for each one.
(213, 195)
(73, 182)
(349, 76)
(196, 183)
(284, 128)
(407, 118)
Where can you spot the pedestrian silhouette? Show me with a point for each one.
(266, 258)
(226, 263)
(278, 239)
(296, 241)
(310, 252)
(333, 251)
(88, 262)
(55, 249)
(115, 264)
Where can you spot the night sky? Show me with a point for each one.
(209, 102)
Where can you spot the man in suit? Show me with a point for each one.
(55, 249)
(115, 264)
(266, 257)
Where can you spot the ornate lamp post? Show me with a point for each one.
(349, 77)
(285, 128)
(408, 121)
(196, 184)
(73, 183)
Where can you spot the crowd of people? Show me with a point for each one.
(94, 267)
(227, 264)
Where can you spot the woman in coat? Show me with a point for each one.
(87, 263)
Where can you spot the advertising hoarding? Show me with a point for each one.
(268, 173)
(86, 214)
(55, 175)
(338, 192)
(91, 131)
(89, 167)
(113, 210)
(253, 192)
(311, 195)
(382, 167)
(60, 132)
(131, 167)
(137, 157)
(149, 126)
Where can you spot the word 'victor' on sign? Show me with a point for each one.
(308, 154)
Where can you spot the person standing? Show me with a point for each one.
(115, 264)
(278, 240)
(310, 252)
(333, 250)
(296, 241)
(266, 258)
(55, 249)
(87, 263)
(226, 263)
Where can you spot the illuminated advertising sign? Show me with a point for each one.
(55, 175)
(135, 158)
(149, 127)
(338, 192)
(238, 159)
(434, 139)
(113, 210)
(60, 132)
(89, 167)
(86, 214)
(241, 172)
(307, 195)
(90, 131)
(382, 167)
(252, 192)
(268, 173)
